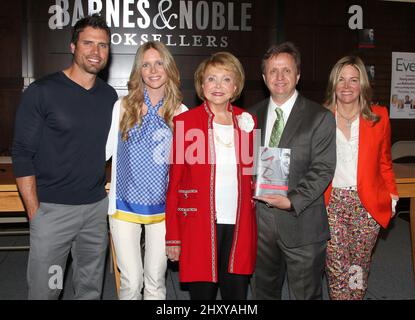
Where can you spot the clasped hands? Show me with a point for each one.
(173, 253)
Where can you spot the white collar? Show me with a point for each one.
(286, 107)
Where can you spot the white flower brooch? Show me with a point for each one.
(246, 122)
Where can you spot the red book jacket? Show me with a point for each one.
(375, 176)
(190, 204)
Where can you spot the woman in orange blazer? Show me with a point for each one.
(363, 193)
(210, 219)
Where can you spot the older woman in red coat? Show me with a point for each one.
(363, 191)
(210, 218)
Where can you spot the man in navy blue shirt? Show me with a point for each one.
(58, 152)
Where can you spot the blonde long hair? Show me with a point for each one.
(133, 102)
(365, 97)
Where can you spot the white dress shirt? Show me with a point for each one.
(286, 108)
(226, 175)
(345, 175)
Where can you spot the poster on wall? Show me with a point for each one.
(366, 38)
(370, 69)
(402, 100)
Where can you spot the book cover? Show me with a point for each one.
(366, 38)
(272, 167)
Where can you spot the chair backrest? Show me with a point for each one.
(403, 149)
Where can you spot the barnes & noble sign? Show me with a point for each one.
(191, 29)
(175, 23)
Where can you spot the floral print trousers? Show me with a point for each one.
(353, 236)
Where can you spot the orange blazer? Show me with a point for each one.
(375, 177)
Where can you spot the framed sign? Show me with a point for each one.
(402, 100)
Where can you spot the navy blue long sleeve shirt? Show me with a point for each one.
(60, 134)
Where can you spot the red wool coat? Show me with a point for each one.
(190, 204)
(375, 177)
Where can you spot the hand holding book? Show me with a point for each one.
(275, 200)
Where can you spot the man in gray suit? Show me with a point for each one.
(293, 230)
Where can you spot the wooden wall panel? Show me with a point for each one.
(248, 46)
(8, 100)
(394, 31)
(320, 28)
(10, 69)
(24, 27)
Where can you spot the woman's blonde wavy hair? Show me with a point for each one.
(365, 98)
(133, 102)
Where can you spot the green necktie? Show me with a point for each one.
(277, 128)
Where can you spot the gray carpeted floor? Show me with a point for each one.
(391, 276)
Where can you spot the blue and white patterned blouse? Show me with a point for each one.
(142, 169)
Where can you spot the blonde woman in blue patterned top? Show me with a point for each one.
(139, 143)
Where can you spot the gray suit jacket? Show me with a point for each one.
(310, 133)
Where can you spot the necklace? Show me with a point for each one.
(219, 140)
(349, 120)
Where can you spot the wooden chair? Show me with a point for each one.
(12, 211)
(403, 152)
(114, 265)
(402, 149)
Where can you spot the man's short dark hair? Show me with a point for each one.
(95, 21)
(285, 47)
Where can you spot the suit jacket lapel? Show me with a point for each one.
(365, 142)
(293, 122)
(262, 120)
